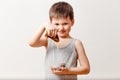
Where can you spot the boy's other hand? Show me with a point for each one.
(59, 70)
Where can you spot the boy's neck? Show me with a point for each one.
(64, 38)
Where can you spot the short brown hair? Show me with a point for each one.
(61, 9)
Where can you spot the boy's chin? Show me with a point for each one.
(62, 36)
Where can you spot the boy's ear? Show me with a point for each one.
(72, 22)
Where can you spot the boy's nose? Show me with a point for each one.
(61, 27)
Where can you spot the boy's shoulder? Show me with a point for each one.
(77, 42)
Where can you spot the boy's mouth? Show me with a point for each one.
(61, 32)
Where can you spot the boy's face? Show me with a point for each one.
(63, 26)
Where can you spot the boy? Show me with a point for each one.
(61, 54)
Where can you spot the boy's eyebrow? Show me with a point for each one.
(65, 22)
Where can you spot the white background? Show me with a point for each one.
(97, 24)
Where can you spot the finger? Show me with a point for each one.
(62, 68)
(54, 33)
(49, 33)
(53, 69)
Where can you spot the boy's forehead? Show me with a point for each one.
(60, 18)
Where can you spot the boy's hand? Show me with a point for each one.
(60, 70)
(51, 30)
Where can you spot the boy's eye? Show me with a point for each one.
(65, 23)
(56, 24)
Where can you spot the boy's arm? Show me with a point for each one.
(84, 67)
(38, 39)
